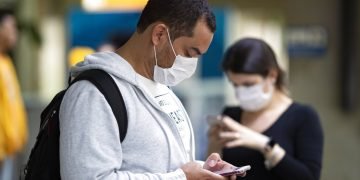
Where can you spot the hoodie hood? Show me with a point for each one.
(109, 62)
(116, 66)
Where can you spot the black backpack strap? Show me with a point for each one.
(107, 86)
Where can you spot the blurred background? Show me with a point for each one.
(317, 43)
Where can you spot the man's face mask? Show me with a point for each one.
(182, 68)
(254, 98)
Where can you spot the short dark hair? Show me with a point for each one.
(5, 12)
(253, 56)
(180, 15)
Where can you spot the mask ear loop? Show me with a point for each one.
(155, 55)
(167, 30)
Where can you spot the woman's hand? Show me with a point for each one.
(237, 135)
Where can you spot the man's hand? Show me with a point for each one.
(194, 171)
(215, 163)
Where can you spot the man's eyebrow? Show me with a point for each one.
(196, 50)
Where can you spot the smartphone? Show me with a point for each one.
(236, 171)
(212, 119)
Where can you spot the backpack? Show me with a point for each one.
(44, 162)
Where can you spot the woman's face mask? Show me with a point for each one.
(253, 98)
(182, 68)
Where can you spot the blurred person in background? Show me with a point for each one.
(13, 122)
(280, 139)
(113, 42)
(78, 53)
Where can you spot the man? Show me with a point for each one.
(13, 126)
(159, 144)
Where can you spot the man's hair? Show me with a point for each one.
(180, 15)
(5, 12)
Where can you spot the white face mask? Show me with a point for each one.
(253, 98)
(182, 68)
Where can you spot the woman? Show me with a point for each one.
(280, 139)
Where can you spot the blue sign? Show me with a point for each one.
(93, 28)
(211, 61)
(306, 41)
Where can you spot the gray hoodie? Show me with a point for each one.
(90, 145)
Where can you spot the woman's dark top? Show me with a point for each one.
(299, 132)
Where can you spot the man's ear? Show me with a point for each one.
(159, 34)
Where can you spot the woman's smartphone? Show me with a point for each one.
(235, 171)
